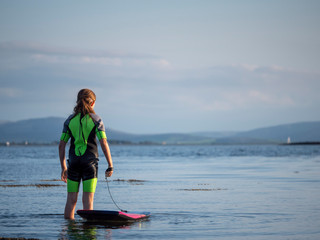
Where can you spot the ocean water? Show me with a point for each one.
(192, 192)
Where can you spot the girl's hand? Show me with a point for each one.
(109, 172)
(64, 175)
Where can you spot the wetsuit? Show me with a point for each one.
(83, 152)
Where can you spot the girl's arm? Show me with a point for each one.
(62, 156)
(106, 150)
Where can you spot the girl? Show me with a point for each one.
(83, 126)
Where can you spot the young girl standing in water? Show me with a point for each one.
(83, 127)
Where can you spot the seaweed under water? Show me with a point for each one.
(31, 185)
(202, 189)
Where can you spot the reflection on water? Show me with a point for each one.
(81, 229)
(78, 230)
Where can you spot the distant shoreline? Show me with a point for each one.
(302, 143)
(47, 131)
(127, 143)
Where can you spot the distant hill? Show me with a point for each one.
(48, 130)
(44, 130)
(3, 121)
(298, 132)
(215, 134)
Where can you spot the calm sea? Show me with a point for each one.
(192, 192)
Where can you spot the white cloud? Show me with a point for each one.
(268, 98)
(162, 63)
(10, 92)
(102, 61)
(230, 88)
(45, 58)
(248, 67)
(49, 54)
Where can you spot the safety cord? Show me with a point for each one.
(113, 199)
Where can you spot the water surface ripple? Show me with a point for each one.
(192, 192)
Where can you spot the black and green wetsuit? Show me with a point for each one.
(83, 152)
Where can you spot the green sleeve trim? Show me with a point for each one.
(65, 137)
(101, 134)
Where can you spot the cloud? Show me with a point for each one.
(34, 48)
(40, 53)
(229, 88)
(9, 92)
(140, 87)
(268, 98)
(102, 61)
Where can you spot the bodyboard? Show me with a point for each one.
(112, 216)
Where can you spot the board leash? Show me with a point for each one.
(113, 199)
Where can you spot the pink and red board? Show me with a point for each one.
(116, 216)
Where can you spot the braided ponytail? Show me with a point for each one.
(86, 98)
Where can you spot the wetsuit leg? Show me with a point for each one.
(74, 175)
(90, 175)
(72, 186)
(90, 185)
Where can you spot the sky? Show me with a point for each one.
(163, 66)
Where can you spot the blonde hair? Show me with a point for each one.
(85, 99)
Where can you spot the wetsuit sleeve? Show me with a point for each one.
(65, 132)
(100, 129)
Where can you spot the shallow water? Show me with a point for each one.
(192, 192)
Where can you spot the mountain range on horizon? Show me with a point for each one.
(48, 130)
